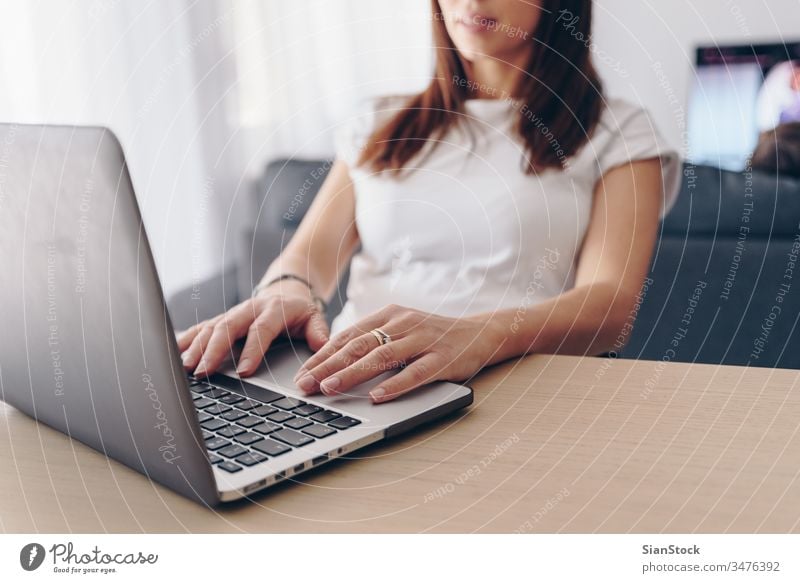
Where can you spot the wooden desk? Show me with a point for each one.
(552, 444)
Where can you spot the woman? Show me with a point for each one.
(508, 208)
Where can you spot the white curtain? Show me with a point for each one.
(305, 65)
(152, 72)
(202, 93)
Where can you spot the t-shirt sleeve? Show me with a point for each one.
(634, 136)
(352, 134)
(350, 137)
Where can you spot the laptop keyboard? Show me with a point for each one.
(243, 431)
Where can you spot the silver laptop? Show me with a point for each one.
(87, 345)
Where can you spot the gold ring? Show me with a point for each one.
(383, 337)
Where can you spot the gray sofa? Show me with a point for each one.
(722, 287)
(718, 279)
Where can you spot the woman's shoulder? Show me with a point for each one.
(626, 128)
(626, 132)
(618, 113)
(367, 115)
(373, 110)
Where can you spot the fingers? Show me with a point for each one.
(352, 351)
(341, 339)
(187, 337)
(316, 331)
(422, 371)
(261, 333)
(191, 356)
(387, 357)
(232, 326)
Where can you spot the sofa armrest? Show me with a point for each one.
(203, 300)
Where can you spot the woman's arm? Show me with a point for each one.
(587, 319)
(611, 268)
(326, 238)
(321, 247)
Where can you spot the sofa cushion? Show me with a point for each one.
(714, 202)
(724, 283)
(280, 201)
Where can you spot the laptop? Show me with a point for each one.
(87, 345)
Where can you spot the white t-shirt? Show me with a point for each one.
(468, 231)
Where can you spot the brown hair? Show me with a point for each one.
(560, 92)
(778, 150)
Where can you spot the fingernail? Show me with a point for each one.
(185, 359)
(300, 373)
(201, 368)
(377, 394)
(307, 383)
(330, 384)
(244, 365)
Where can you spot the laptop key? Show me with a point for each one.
(344, 422)
(248, 389)
(263, 410)
(248, 438)
(270, 447)
(214, 459)
(230, 431)
(207, 434)
(267, 427)
(319, 431)
(198, 388)
(231, 398)
(213, 424)
(233, 415)
(250, 421)
(324, 416)
(217, 409)
(280, 416)
(232, 450)
(290, 437)
(196, 397)
(203, 403)
(306, 410)
(216, 443)
(216, 393)
(251, 459)
(288, 403)
(248, 404)
(298, 423)
(265, 395)
(229, 467)
(202, 416)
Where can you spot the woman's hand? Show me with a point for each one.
(425, 346)
(285, 306)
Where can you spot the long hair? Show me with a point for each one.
(560, 93)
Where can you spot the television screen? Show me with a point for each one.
(738, 92)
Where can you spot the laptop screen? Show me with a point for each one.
(737, 92)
